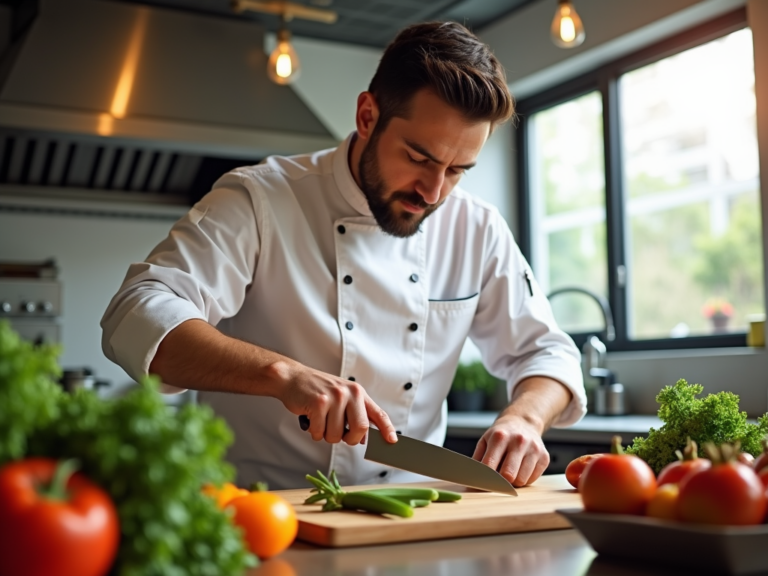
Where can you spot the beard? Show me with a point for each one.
(381, 204)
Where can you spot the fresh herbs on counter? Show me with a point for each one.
(715, 418)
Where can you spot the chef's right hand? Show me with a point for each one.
(331, 403)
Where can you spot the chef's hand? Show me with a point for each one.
(513, 445)
(331, 403)
(514, 448)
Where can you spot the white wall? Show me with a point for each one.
(93, 255)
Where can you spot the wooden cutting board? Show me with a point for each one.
(477, 513)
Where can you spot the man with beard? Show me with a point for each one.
(342, 285)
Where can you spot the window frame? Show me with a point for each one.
(605, 80)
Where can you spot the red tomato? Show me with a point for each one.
(617, 483)
(75, 535)
(728, 493)
(575, 469)
(762, 459)
(269, 522)
(675, 472)
(763, 476)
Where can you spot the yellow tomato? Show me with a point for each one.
(664, 502)
(225, 494)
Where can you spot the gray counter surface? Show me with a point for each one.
(591, 429)
(556, 553)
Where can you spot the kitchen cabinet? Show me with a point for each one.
(589, 436)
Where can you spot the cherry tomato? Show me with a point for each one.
(575, 469)
(728, 493)
(762, 459)
(617, 483)
(675, 472)
(269, 522)
(746, 458)
(763, 476)
(664, 502)
(53, 522)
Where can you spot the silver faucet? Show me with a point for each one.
(609, 395)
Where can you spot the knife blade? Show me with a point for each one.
(427, 459)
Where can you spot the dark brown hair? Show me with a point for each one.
(448, 59)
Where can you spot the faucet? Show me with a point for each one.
(609, 396)
(593, 350)
(605, 307)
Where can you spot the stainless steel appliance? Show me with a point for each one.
(30, 299)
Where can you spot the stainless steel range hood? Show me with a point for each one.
(104, 71)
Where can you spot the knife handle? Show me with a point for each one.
(304, 423)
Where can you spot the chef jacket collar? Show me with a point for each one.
(345, 181)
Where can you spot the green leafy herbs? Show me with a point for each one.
(715, 418)
(150, 460)
(29, 393)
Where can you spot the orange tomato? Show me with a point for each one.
(268, 520)
(225, 494)
(664, 502)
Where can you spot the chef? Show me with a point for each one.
(342, 285)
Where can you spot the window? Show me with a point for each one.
(639, 182)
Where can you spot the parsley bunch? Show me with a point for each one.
(28, 391)
(715, 418)
(151, 461)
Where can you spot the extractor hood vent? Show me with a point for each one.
(123, 97)
(109, 169)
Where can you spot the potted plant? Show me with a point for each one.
(471, 386)
(719, 312)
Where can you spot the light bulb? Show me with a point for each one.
(283, 66)
(567, 31)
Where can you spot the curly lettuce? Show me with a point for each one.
(715, 418)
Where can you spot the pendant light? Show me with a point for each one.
(283, 66)
(567, 31)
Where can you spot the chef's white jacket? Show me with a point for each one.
(287, 255)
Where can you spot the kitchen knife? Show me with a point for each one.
(427, 459)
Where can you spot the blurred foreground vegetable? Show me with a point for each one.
(53, 523)
(715, 418)
(150, 461)
(268, 520)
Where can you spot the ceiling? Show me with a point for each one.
(371, 23)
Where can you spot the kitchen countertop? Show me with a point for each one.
(591, 429)
(555, 553)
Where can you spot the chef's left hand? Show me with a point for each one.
(514, 448)
(513, 445)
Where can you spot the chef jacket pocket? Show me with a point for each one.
(458, 303)
(447, 329)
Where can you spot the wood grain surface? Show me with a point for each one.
(477, 513)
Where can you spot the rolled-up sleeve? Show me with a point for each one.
(200, 271)
(514, 327)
